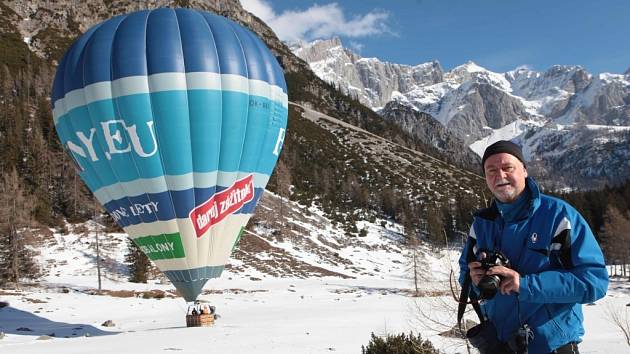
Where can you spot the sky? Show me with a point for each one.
(499, 35)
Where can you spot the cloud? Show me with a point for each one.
(356, 46)
(318, 21)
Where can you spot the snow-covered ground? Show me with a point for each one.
(271, 316)
(259, 312)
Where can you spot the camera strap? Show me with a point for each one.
(467, 292)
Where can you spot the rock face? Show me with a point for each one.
(476, 106)
(373, 82)
(50, 26)
(436, 138)
(470, 99)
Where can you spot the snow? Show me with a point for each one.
(258, 312)
(508, 132)
(272, 316)
(610, 128)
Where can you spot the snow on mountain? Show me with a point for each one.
(548, 92)
(480, 106)
(604, 101)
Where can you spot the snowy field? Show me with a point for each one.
(269, 316)
(259, 312)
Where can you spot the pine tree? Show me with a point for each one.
(435, 224)
(139, 263)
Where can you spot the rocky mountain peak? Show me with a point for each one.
(371, 80)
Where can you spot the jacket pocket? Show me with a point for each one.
(553, 322)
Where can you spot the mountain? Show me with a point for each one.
(432, 135)
(479, 106)
(373, 82)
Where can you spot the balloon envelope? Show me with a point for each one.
(175, 118)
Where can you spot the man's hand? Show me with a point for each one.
(476, 272)
(511, 279)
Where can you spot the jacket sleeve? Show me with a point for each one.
(582, 278)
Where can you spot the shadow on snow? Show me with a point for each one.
(14, 321)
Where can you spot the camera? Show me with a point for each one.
(489, 284)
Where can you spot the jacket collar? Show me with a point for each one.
(492, 212)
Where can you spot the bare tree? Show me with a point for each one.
(283, 181)
(413, 247)
(616, 231)
(620, 317)
(16, 258)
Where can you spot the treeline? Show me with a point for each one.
(608, 213)
(38, 187)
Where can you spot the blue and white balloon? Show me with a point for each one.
(175, 118)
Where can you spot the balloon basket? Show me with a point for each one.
(200, 314)
(203, 320)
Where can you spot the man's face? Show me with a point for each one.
(505, 176)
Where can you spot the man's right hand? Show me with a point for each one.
(476, 272)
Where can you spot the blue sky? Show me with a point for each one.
(499, 35)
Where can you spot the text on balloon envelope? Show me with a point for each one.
(222, 204)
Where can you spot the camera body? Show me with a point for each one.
(489, 284)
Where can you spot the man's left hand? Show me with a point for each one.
(511, 279)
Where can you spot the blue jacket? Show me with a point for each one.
(560, 263)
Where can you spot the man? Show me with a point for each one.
(555, 262)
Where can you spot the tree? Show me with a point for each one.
(398, 344)
(16, 258)
(139, 263)
(283, 181)
(435, 224)
(415, 265)
(615, 232)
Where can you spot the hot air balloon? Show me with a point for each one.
(175, 119)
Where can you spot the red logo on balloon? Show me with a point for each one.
(222, 204)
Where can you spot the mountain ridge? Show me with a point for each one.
(478, 106)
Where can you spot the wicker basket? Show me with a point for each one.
(203, 320)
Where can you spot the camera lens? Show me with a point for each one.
(488, 286)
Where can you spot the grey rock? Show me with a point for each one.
(370, 80)
(433, 136)
(590, 158)
(108, 323)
